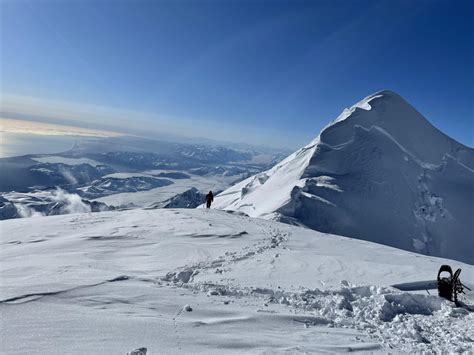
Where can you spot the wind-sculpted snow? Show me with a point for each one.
(211, 282)
(379, 172)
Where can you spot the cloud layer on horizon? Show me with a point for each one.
(133, 122)
(50, 129)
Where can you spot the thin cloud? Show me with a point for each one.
(48, 129)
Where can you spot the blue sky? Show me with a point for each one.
(271, 72)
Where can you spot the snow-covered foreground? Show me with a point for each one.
(207, 281)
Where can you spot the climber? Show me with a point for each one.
(209, 199)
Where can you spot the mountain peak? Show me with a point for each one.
(380, 172)
(385, 92)
(387, 113)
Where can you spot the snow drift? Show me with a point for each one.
(379, 172)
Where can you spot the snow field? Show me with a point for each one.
(115, 281)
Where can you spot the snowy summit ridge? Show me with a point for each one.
(379, 172)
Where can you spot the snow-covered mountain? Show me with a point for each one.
(210, 282)
(48, 202)
(188, 199)
(27, 173)
(379, 172)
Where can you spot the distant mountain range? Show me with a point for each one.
(120, 166)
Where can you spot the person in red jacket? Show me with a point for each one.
(209, 199)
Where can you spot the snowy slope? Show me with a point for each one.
(379, 172)
(114, 281)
